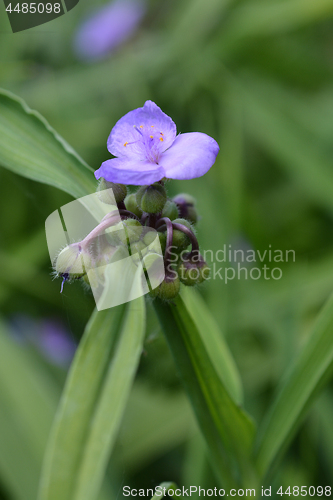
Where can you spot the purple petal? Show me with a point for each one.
(107, 28)
(128, 171)
(131, 135)
(190, 156)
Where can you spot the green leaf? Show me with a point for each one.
(227, 429)
(214, 342)
(30, 147)
(93, 402)
(308, 374)
(28, 399)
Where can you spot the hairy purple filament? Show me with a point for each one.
(65, 278)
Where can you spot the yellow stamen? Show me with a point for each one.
(151, 136)
(125, 144)
(161, 139)
(141, 126)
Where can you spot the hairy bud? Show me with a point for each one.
(168, 289)
(170, 210)
(72, 262)
(180, 240)
(119, 192)
(132, 205)
(151, 199)
(186, 207)
(192, 269)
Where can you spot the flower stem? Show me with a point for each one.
(128, 214)
(169, 228)
(107, 221)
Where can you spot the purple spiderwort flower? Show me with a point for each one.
(147, 148)
(108, 27)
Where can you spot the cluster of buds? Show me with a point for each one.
(131, 228)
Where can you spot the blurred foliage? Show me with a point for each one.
(255, 75)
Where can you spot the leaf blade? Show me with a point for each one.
(115, 394)
(227, 429)
(308, 374)
(214, 342)
(83, 404)
(29, 146)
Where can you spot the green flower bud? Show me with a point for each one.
(151, 199)
(186, 206)
(168, 289)
(72, 262)
(170, 210)
(132, 205)
(192, 270)
(180, 239)
(119, 192)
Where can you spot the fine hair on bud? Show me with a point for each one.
(151, 199)
(192, 269)
(170, 210)
(186, 206)
(73, 262)
(132, 205)
(118, 193)
(168, 289)
(181, 240)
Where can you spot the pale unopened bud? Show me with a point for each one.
(72, 262)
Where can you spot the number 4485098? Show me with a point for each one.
(32, 8)
(304, 491)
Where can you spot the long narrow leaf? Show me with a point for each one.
(226, 428)
(30, 147)
(214, 342)
(312, 368)
(92, 403)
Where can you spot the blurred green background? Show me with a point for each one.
(258, 77)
